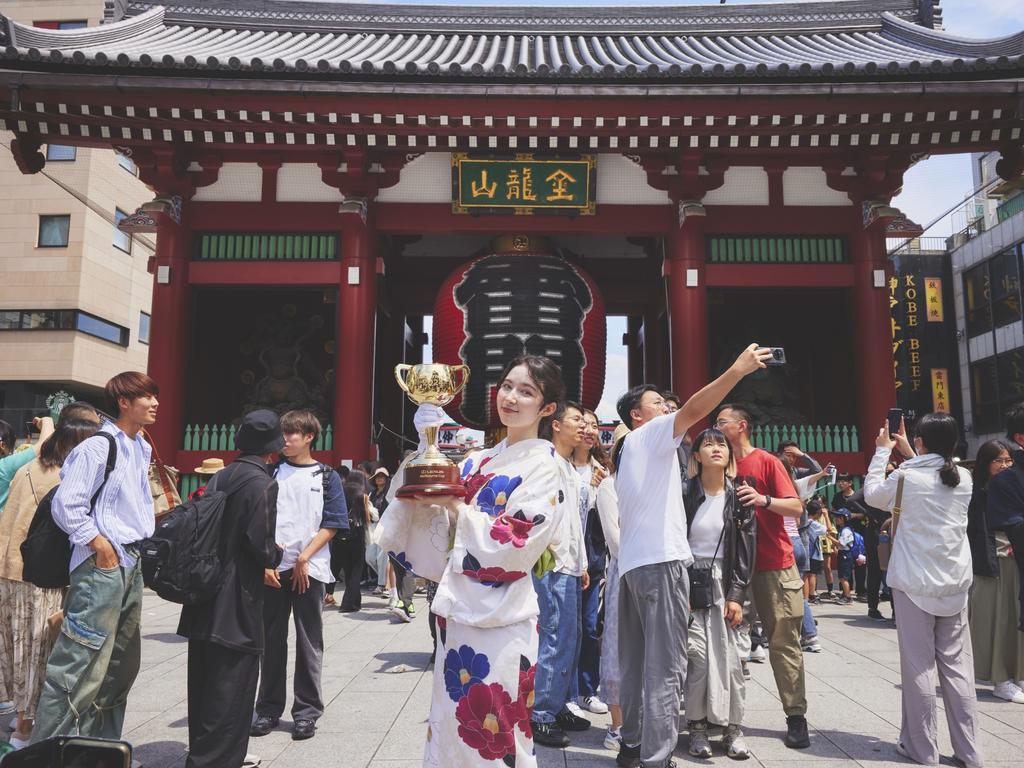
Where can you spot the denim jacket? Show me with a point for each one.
(740, 542)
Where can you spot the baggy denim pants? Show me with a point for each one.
(96, 657)
(558, 596)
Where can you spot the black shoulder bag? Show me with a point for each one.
(702, 581)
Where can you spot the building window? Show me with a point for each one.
(54, 231)
(62, 320)
(60, 24)
(127, 163)
(144, 319)
(978, 300)
(60, 153)
(1004, 279)
(985, 396)
(122, 240)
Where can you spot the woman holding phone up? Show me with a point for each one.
(930, 576)
(721, 537)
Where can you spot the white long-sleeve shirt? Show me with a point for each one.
(608, 511)
(931, 557)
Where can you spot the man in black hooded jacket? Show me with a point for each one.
(225, 634)
(1006, 497)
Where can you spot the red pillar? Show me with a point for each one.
(876, 379)
(688, 305)
(170, 331)
(354, 358)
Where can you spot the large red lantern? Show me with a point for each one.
(519, 299)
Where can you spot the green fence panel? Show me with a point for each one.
(764, 249)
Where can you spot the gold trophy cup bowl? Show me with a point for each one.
(431, 473)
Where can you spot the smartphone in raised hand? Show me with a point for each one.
(894, 417)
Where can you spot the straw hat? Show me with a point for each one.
(210, 467)
(620, 432)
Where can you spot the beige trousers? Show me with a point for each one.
(928, 644)
(779, 599)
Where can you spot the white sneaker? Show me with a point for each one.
(400, 612)
(17, 743)
(595, 705)
(573, 707)
(613, 739)
(1008, 691)
(758, 654)
(735, 746)
(811, 645)
(251, 761)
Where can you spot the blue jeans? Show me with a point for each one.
(590, 642)
(808, 628)
(559, 625)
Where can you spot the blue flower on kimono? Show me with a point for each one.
(463, 669)
(467, 468)
(403, 561)
(494, 496)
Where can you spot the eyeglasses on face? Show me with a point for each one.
(1005, 461)
(722, 422)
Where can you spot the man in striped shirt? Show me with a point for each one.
(96, 658)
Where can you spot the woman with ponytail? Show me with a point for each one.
(930, 575)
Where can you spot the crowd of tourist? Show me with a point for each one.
(567, 580)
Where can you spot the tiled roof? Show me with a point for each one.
(820, 41)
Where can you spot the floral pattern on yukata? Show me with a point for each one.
(493, 497)
(514, 529)
(464, 668)
(492, 576)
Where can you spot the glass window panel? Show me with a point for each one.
(1005, 277)
(94, 326)
(144, 327)
(44, 319)
(54, 231)
(60, 153)
(1011, 378)
(71, 24)
(985, 396)
(978, 300)
(10, 319)
(122, 240)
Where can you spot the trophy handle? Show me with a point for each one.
(400, 372)
(463, 380)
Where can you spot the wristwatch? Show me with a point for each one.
(767, 501)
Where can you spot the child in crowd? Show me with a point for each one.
(847, 539)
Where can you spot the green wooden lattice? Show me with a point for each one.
(810, 438)
(251, 246)
(221, 437)
(776, 250)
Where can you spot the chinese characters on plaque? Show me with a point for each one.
(523, 185)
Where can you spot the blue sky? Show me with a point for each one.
(930, 187)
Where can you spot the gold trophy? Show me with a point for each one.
(431, 473)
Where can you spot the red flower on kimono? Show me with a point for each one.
(474, 481)
(524, 704)
(514, 528)
(487, 719)
(489, 576)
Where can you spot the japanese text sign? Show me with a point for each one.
(523, 184)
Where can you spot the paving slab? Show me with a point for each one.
(377, 687)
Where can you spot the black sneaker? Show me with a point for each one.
(549, 735)
(628, 757)
(262, 725)
(876, 615)
(303, 729)
(796, 732)
(571, 722)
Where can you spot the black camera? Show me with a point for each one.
(778, 356)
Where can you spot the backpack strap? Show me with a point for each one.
(108, 468)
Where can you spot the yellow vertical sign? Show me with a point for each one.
(940, 390)
(933, 299)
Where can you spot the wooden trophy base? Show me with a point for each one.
(428, 480)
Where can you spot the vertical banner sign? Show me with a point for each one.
(940, 390)
(923, 337)
(933, 299)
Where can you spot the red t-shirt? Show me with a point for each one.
(767, 474)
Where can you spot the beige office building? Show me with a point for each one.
(74, 291)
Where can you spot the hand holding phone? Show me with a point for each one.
(894, 419)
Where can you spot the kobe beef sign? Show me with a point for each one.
(523, 185)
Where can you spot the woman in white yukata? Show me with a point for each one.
(481, 550)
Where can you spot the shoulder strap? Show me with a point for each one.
(897, 507)
(166, 486)
(108, 468)
(325, 477)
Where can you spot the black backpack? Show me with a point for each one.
(182, 561)
(46, 551)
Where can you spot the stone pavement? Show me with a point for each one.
(377, 692)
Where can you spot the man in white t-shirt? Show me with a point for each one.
(559, 593)
(310, 510)
(654, 606)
